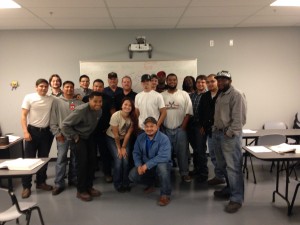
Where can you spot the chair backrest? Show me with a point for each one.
(274, 125)
(296, 124)
(271, 139)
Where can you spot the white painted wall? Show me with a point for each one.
(264, 62)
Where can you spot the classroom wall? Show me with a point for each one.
(264, 62)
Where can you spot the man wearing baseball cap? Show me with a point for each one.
(149, 103)
(112, 90)
(161, 86)
(229, 119)
(152, 157)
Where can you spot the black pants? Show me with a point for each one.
(86, 161)
(39, 146)
(198, 143)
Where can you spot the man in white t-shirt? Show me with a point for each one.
(179, 108)
(149, 103)
(35, 118)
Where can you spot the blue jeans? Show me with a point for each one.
(62, 161)
(198, 143)
(211, 148)
(179, 142)
(121, 166)
(230, 149)
(163, 170)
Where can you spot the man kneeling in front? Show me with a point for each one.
(152, 156)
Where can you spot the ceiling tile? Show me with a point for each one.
(146, 12)
(23, 23)
(281, 11)
(221, 11)
(147, 3)
(145, 22)
(79, 23)
(61, 3)
(71, 12)
(231, 2)
(198, 22)
(15, 13)
(271, 21)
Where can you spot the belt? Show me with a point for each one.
(38, 128)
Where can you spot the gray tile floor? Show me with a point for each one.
(192, 204)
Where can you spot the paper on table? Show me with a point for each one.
(283, 148)
(20, 164)
(248, 131)
(12, 138)
(259, 149)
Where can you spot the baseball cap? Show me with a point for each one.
(145, 77)
(161, 74)
(112, 75)
(150, 119)
(224, 74)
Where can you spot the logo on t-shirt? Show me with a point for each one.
(172, 105)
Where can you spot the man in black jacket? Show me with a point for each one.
(206, 119)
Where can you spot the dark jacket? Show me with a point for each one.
(206, 111)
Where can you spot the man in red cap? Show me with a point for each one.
(161, 75)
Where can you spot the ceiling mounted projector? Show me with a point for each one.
(140, 46)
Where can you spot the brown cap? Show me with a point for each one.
(150, 119)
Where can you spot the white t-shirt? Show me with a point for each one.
(118, 120)
(39, 109)
(149, 104)
(178, 105)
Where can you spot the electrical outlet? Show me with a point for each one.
(211, 43)
(231, 42)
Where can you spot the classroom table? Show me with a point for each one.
(7, 151)
(251, 138)
(10, 174)
(287, 157)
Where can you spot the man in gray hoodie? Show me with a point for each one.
(61, 108)
(79, 126)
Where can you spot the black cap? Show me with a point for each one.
(224, 74)
(112, 75)
(150, 119)
(145, 77)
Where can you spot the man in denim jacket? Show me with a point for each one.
(152, 156)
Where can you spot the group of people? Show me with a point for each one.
(139, 136)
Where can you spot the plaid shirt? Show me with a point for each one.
(195, 98)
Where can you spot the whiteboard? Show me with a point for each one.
(135, 69)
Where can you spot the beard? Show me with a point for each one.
(172, 88)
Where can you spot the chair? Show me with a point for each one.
(18, 209)
(273, 125)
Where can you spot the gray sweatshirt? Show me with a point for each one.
(81, 122)
(61, 108)
(230, 112)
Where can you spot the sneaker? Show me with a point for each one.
(186, 178)
(84, 196)
(94, 192)
(222, 194)
(44, 186)
(149, 189)
(26, 193)
(215, 181)
(57, 190)
(163, 200)
(232, 207)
